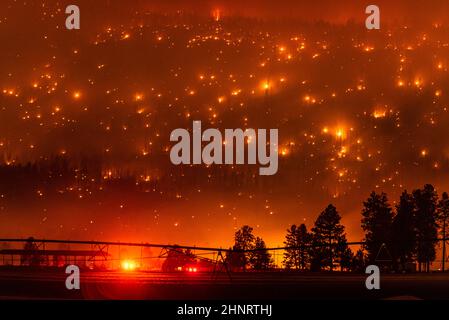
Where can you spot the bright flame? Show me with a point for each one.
(284, 152)
(265, 85)
(76, 95)
(379, 114)
(340, 133)
(309, 99)
(216, 14)
(418, 82)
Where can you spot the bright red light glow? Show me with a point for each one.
(129, 265)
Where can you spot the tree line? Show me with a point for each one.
(395, 237)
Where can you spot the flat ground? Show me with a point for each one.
(46, 284)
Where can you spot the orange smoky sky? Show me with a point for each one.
(325, 10)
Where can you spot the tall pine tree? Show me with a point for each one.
(244, 240)
(443, 220)
(426, 225)
(260, 258)
(376, 222)
(297, 241)
(404, 231)
(328, 239)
